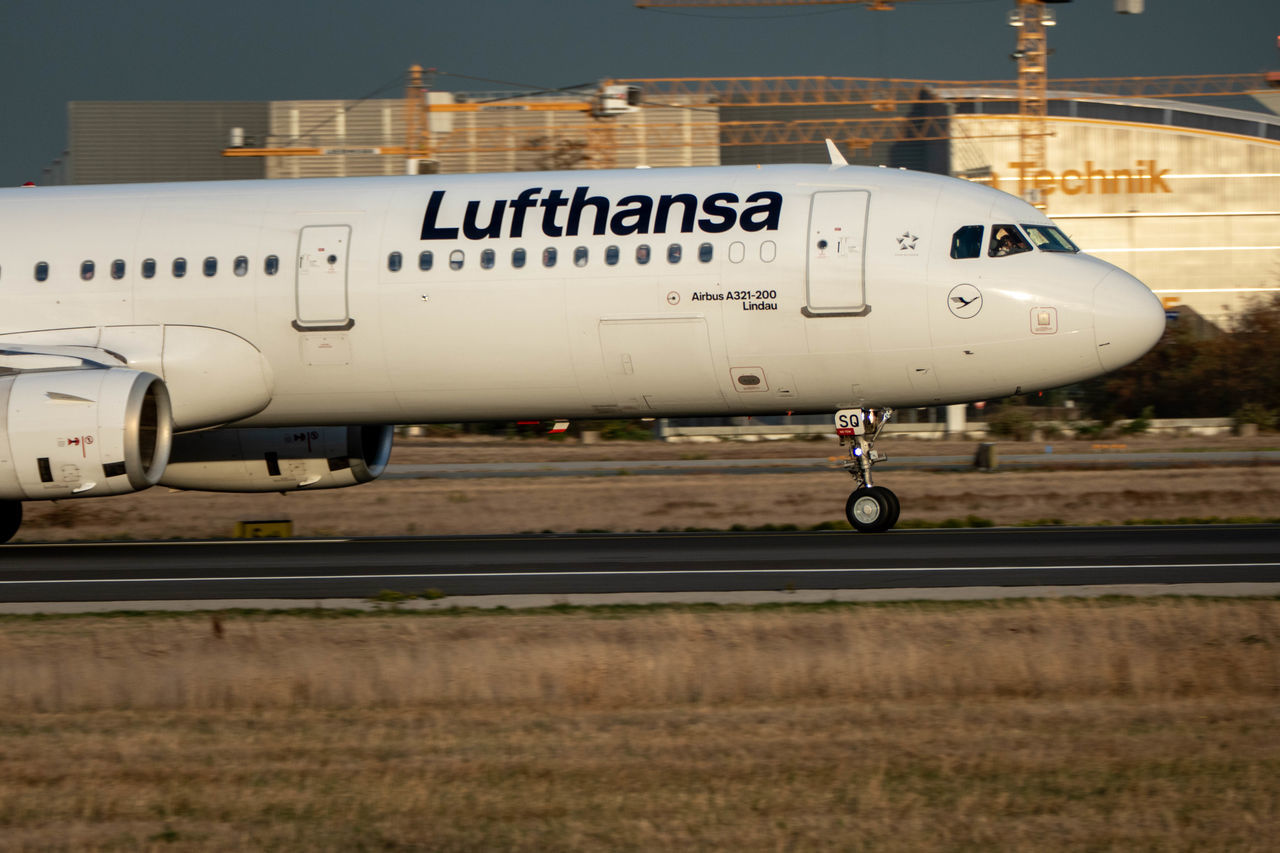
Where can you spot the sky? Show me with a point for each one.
(55, 51)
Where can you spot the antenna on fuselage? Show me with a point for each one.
(837, 159)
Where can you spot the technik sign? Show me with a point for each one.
(568, 215)
(1145, 177)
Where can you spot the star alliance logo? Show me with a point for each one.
(907, 242)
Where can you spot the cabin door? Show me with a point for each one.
(836, 253)
(322, 278)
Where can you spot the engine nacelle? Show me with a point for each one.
(82, 433)
(277, 460)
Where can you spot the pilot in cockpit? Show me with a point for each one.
(1006, 241)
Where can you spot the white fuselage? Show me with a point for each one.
(797, 288)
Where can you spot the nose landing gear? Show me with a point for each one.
(870, 508)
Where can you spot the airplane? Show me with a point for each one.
(250, 336)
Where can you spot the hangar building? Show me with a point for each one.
(1185, 196)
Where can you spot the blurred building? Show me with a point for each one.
(1184, 196)
(120, 142)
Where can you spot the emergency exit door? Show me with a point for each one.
(322, 278)
(836, 254)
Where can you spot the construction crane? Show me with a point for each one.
(703, 106)
(1030, 17)
(607, 101)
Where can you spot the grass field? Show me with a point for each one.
(1107, 724)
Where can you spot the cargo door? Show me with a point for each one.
(836, 256)
(322, 278)
(660, 365)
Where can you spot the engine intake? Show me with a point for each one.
(82, 433)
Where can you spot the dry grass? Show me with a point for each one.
(625, 503)
(655, 502)
(1068, 725)
(670, 657)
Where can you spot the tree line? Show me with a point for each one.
(1196, 375)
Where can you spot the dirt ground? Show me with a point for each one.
(641, 502)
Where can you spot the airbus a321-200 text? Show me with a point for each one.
(256, 336)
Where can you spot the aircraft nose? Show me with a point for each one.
(1128, 319)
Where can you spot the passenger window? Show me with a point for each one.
(517, 258)
(394, 261)
(425, 261)
(272, 265)
(117, 269)
(642, 254)
(967, 242)
(179, 267)
(1007, 240)
(210, 267)
(580, 256)
(768, 251)
(241, 266)
(486, 259)
(673, 253)
(149, 268)
(549, 256)
(42, 271)
(737, 251)
(704, 253)
(86, 271)
(611, 254)
(456, 259)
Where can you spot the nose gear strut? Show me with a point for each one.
(870, 508)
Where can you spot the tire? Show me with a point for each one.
(871, 510)
(10, 519)
(895, 507)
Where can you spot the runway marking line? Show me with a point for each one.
(597, 537)
(263, 541)
(583, 573)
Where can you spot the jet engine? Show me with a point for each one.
(82, 432)
(277, 460)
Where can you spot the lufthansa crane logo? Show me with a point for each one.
(965, 301)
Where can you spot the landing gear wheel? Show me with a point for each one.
(872, 509)
(10, 519)
(895, 506)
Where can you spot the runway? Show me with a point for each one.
(808, 464)
(635, 563)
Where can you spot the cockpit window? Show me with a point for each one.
(967, 242)
(1046, 238)
(1007, 240)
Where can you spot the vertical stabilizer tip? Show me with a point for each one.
(837, 159)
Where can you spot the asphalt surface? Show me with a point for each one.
(631, 563)
(806, 464)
